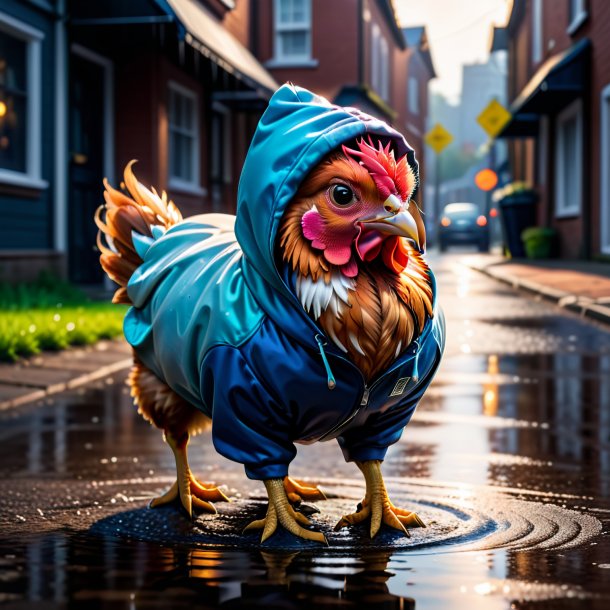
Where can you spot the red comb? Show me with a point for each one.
(390, 176)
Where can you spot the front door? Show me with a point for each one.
(86, 156)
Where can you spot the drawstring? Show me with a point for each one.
(331, 378)
(416, 351)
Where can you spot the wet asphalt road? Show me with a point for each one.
(507, 460)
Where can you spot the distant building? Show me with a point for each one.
(559, 87)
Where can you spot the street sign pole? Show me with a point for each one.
(437, 183)
(437, 138)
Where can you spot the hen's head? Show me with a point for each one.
(355, 207)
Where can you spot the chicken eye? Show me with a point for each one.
(342, 195)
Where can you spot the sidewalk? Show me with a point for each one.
(50, 372)
(580, 286)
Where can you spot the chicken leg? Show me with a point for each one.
(280, 510)
(190, 491)
(377, 505)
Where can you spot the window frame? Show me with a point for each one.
(178, 183)
(413, 95)
(562, 209)
(31, 178)
(280, 27)
(579, 17)
(537, 25)
(380, 63)
(605, 162)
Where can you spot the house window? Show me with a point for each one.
(413, 95)
(604, 174)
(183, 138)
(292, 30)
(380, 63)
(20, 103)
(577, 14)
(568, 161)
(536, 31)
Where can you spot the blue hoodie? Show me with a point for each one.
(217, 319)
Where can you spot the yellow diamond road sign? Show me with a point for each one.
(494, 118)
(438, 138)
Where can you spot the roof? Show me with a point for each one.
(561, 79)
(499, 39)
(417, 39)
(387, 8)
(206, 34)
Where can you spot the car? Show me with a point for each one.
(463, 223)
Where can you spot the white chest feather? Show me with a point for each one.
(317, 297)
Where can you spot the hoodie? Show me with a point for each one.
(217, 319)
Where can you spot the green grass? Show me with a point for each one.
(52, 315)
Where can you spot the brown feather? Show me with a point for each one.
(120, 216)
(161, 406)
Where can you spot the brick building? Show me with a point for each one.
(87, 86)
(559, 84)
(178, 85)
(354, 53)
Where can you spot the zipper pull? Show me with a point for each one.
(331, 378)
(416, 351)
(365, 397)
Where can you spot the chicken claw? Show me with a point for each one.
(280, 510)
(190, 491)
(298, 491)
(377, 505)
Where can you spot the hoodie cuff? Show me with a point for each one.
(364, 454)
(259, 472)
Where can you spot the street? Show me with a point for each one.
(507, 460)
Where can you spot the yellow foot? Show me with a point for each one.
(195, 495)
(298, 491)
(280, 511)
(190, 491)
(377, 507)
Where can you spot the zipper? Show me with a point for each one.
(332, 384)
(417, 352)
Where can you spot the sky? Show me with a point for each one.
(458, 31)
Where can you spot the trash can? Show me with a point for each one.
(518, 212)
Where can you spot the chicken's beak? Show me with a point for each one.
(401, 224)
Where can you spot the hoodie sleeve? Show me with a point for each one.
(249, 425)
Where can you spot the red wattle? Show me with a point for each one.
(395, 254)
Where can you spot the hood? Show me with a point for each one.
(295, 133)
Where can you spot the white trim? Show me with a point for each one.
(574, 159)
(537, 22)
(33, 151)
(108, 67)
(12, 178)
(176, 182)
(578, 19)
(17, 28)
(604, 167)
(60, 188)
(279, 27)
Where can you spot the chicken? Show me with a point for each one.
(309, 316)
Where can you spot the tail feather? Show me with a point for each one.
(119, 218)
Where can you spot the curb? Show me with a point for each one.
(75, 382)
(583, 306)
